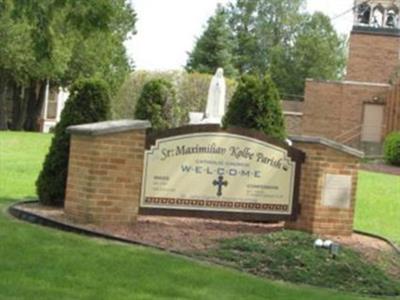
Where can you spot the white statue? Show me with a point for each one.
(215, 108)
(216, 98)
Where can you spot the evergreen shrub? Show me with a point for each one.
(191, 92)
(157, 103)
(256, 105)
(89, 102)
(392, 148)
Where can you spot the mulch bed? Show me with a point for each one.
(188, 235)
(381, 168)
(169, 233)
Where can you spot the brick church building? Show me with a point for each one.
(361, 110)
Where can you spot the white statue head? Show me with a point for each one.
(220, 72)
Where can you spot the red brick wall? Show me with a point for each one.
(333, 108)
(104, 177)
(314, 216)
(372, 57)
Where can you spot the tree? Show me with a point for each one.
(259, 26)
(157, 103)
(241, 19)
(275, 24)
(51, 42)
(101, 53)
(214, 48)
(318, 52)
(89, 102)
(16, 58)
(68, 40)
(256, 105)
(278, 37)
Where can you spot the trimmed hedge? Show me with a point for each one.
(89, 102)
(256, 105)
(392, 148)
(191, 93)
(157, 103)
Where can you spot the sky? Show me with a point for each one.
(167, 29)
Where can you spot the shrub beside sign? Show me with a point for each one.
(220, 172)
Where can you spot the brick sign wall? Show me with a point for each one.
(106, 171)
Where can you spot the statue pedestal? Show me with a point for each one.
(197, 118)
(217, 121)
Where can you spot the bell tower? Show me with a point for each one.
(375, 41)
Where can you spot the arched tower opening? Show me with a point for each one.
(392, 17)
(377, 13)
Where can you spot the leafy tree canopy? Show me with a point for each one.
(60, 41)
(275, 36)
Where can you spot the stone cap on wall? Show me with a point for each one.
(108, 127)
(350, 82)
(329, 143)
(292, 113)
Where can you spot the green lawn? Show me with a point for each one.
(378, 205)
(21, 156)
(42, 263)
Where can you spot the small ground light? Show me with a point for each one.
(333, 248)
(318, 243)
(327, 244)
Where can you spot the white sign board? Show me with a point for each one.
(220, 172)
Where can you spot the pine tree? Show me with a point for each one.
(214, 48)
(89, 102)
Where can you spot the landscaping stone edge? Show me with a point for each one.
(30, 217)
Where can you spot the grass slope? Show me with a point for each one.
(38, 263)
(378, 205)
(290, 256)
(41, 263)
